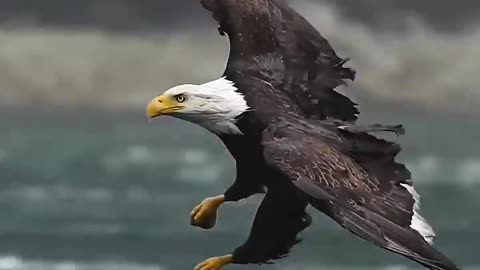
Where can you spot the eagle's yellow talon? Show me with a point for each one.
(204, 215)
(215, 263)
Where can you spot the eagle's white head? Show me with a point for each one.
(214, 105)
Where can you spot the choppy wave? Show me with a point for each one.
(417, 65)
(199, 167)
(192, 165)
(431, 170)
(383, 267)
(12, 262)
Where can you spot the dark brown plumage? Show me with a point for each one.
(271, 41)
(300, 143)
(353, 178)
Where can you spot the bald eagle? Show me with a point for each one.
(294, 139)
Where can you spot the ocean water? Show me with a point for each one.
(88, 190)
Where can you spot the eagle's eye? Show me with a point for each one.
(180, 98)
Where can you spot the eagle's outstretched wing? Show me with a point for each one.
(272, 42)
(352, 177)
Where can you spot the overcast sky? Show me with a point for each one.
(167, 14)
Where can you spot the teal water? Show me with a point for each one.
(108, 190)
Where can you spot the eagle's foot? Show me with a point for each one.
(215, 263)
(204, 215)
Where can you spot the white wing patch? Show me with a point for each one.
(419, 223)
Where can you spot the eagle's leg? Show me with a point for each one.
(215, 263)
(204, 215)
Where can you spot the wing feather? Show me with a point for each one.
(272, 42)
(322, 162)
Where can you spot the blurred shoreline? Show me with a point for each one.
(417, 66)
(133, 15)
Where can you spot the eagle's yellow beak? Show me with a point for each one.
(162, 105)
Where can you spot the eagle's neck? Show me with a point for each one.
(222, 127)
